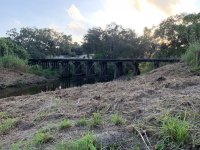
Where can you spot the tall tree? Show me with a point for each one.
(42, 42)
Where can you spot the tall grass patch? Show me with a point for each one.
(190, 55)
(13, 62)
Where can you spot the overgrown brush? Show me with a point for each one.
(13, 62)
(190, 56)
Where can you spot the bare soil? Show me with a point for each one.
(141, 100)
(11, 78)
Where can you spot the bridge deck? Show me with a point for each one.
(109, 60)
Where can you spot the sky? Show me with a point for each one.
(75, 17)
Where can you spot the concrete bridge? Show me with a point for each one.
(81, 67)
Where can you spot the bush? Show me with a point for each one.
(36, 69)
(13, 62)
(190, 54)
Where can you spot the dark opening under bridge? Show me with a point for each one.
(86, 67)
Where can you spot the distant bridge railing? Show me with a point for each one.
(66, 65)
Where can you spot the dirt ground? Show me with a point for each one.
(10, 78)
(171, 88)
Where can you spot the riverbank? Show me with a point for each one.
(143, 102)
(13, 78)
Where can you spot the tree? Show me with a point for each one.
(113, 42)
(42, 42)
(10, 47)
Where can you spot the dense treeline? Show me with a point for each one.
(170, 38)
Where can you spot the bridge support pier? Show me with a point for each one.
(90, 69)
(77, 68)
(65, 69)
(136, 70)
(118, 69)
(104, 69)
(156, 65)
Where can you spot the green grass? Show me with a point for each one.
(189, 56)
(64, 124)
(6, 125)
(84, 143)
(117, 119)
(13, 62)
(38, 70)
(96, 119)
(174, 132)
(41, 138)
(82, 122)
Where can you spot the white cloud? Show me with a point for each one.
(78, 24)
(135, 14)
(74, 13)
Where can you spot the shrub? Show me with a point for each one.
(190, 54)
(64, 124)
(117, 119)
(36, 69)
(13, 62)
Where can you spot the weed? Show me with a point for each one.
(117, 119)
(190, 54)
(16, 146)
(41, 138)
(174, 132)
(64, 124)
(96, 119)
(84, 143)
(13, 62)
(82, 122)
(6, 125)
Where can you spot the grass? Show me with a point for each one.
(6, 125)
(117, 119)
(82, 121)
(64, 124)
(96, 119)
(38, 70)
(84, 143)
(189, 56)
(174, 132)
(41, 138)
(13, 62)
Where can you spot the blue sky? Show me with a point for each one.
(76, 16)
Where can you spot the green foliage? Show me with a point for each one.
(190, 55)
(42, 42)
(117, 119)
(82, 121)
(96, 119)
(84, 143)
(6, 125)
(9, 47)
(174, 132)
(64, 124)
(41, 138)
(49, 73)
(13, 62)
(113, 42)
